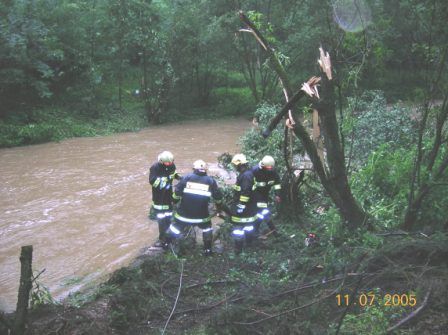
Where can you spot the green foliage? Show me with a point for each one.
(54, 125)
(374, 123)
(232, 101)
(372, 320)
(40, 295)
(255, 146)
(185, 57)
(382, 185)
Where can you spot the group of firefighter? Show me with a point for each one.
(193, 193)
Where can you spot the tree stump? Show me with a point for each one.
(26, 272)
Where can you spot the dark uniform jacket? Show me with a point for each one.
(161, 179)
(195, 191)
(244, 196)
(264, 181)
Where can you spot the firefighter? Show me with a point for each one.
(244, 208)
(265, 178)
(194, 193)
(161, 176)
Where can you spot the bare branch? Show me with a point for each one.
(290, 310)
(411, 315)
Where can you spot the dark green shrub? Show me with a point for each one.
(382, 186)
(374, 123)
(232, 101)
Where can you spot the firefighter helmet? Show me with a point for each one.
(239, 159)
(166, 158)
(267, 162)
(200, 165)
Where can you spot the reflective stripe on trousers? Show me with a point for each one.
(187, 220)
(237, 219)
(160, 207)
(164, 215)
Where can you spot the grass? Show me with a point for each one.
(276, 286)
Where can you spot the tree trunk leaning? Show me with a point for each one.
(26, 272)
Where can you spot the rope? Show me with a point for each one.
(177, 297)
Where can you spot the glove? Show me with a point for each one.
(163, 182)
(278, 199)
(240, 208)
(175, 175)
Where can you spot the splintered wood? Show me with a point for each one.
(310, 87)
(325, 63)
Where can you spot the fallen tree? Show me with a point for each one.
(331, 172)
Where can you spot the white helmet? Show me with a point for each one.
(239, 159)
(166, 158)
(267, 162)
(200, 165)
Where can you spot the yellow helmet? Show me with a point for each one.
(166, 158)
(239, 159)
(200, 165)
(267, 162)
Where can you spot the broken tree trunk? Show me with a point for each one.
(26, 272)
(316, 135)
(337, 178)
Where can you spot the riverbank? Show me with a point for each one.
(56, 124)
(277, 286)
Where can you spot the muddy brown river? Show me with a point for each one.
(83, 203)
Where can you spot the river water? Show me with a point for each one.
(83, 203)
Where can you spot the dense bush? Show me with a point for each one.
(382, 185)
(232, 101)
(374, 123)
(47, 125)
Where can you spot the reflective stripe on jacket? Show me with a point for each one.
(196, 190)
(264, 181)
(161, 180)
(243, 196)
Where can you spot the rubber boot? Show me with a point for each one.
(250, 235)
(257, 225)
(239, 246)
(163, 226)
(207, 238)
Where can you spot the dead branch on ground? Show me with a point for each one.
(412, 314)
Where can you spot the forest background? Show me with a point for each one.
(80, 68)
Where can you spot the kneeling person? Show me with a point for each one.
(194, 191)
